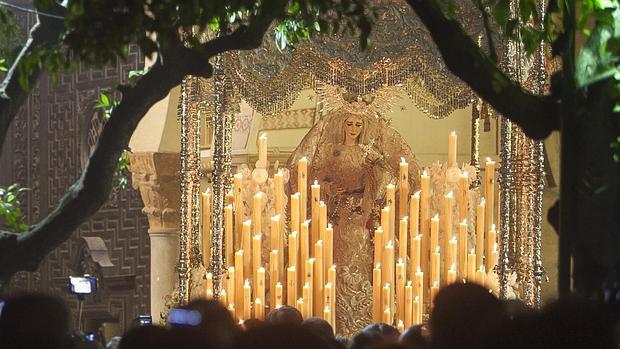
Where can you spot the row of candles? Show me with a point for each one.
(308, 278)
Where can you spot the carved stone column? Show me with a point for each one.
(156, 175)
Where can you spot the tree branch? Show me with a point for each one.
(537, 115)
(45, 33)
(83, 199)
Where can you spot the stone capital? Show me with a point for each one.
(156, 176)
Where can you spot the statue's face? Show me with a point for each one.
(353, 127)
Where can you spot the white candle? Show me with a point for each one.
(387, 316)
(390, 197)
(302, 187)
(247, 300)
(480, 232)
(435, 264)
(228, 234)
(307, 294)
(314, 224)
(403, 238)
(418, 305)
(309, 301)
(246, 246)
(278, 186)
(259, 285)
(434, 232)
(209, 279)
(400, 326)
(480, 274)
(452, 252)
(452, 274)
(327, 314)
(238, 208)
(262, 148)
(419, 290)
(462, 264)
(291, 286)
(414, 214)
(376, 293)
(259, 309)
(425, 215)
(275, 239)
(403, 188)
(279, 299)
(257, 214)
(379, 245)
(409, 305)
(452, 149)
(329, 246)
(385, 223)
(274, 274)
(446, 218)
(434, 291)
(293, 249)
(295, 198)
(494, 257)
(471, 266)
(400, 288)
(230, 285)
(239, 280)
(256, 254)
(317, 287)
(490, 242)
(463, 188)
(304, 249)
(415, 255)
(489, 192)
(322, 220)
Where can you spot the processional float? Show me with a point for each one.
(270, 80)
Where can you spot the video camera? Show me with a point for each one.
(82, 285)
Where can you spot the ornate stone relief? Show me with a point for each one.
(156, 175)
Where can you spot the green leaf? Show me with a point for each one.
(595, 62)
(136, 73)
(501, 12)
(105, 100)
(294, 8)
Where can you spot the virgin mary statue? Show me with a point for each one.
(353, 154)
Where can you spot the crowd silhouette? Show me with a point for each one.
(464, 316)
